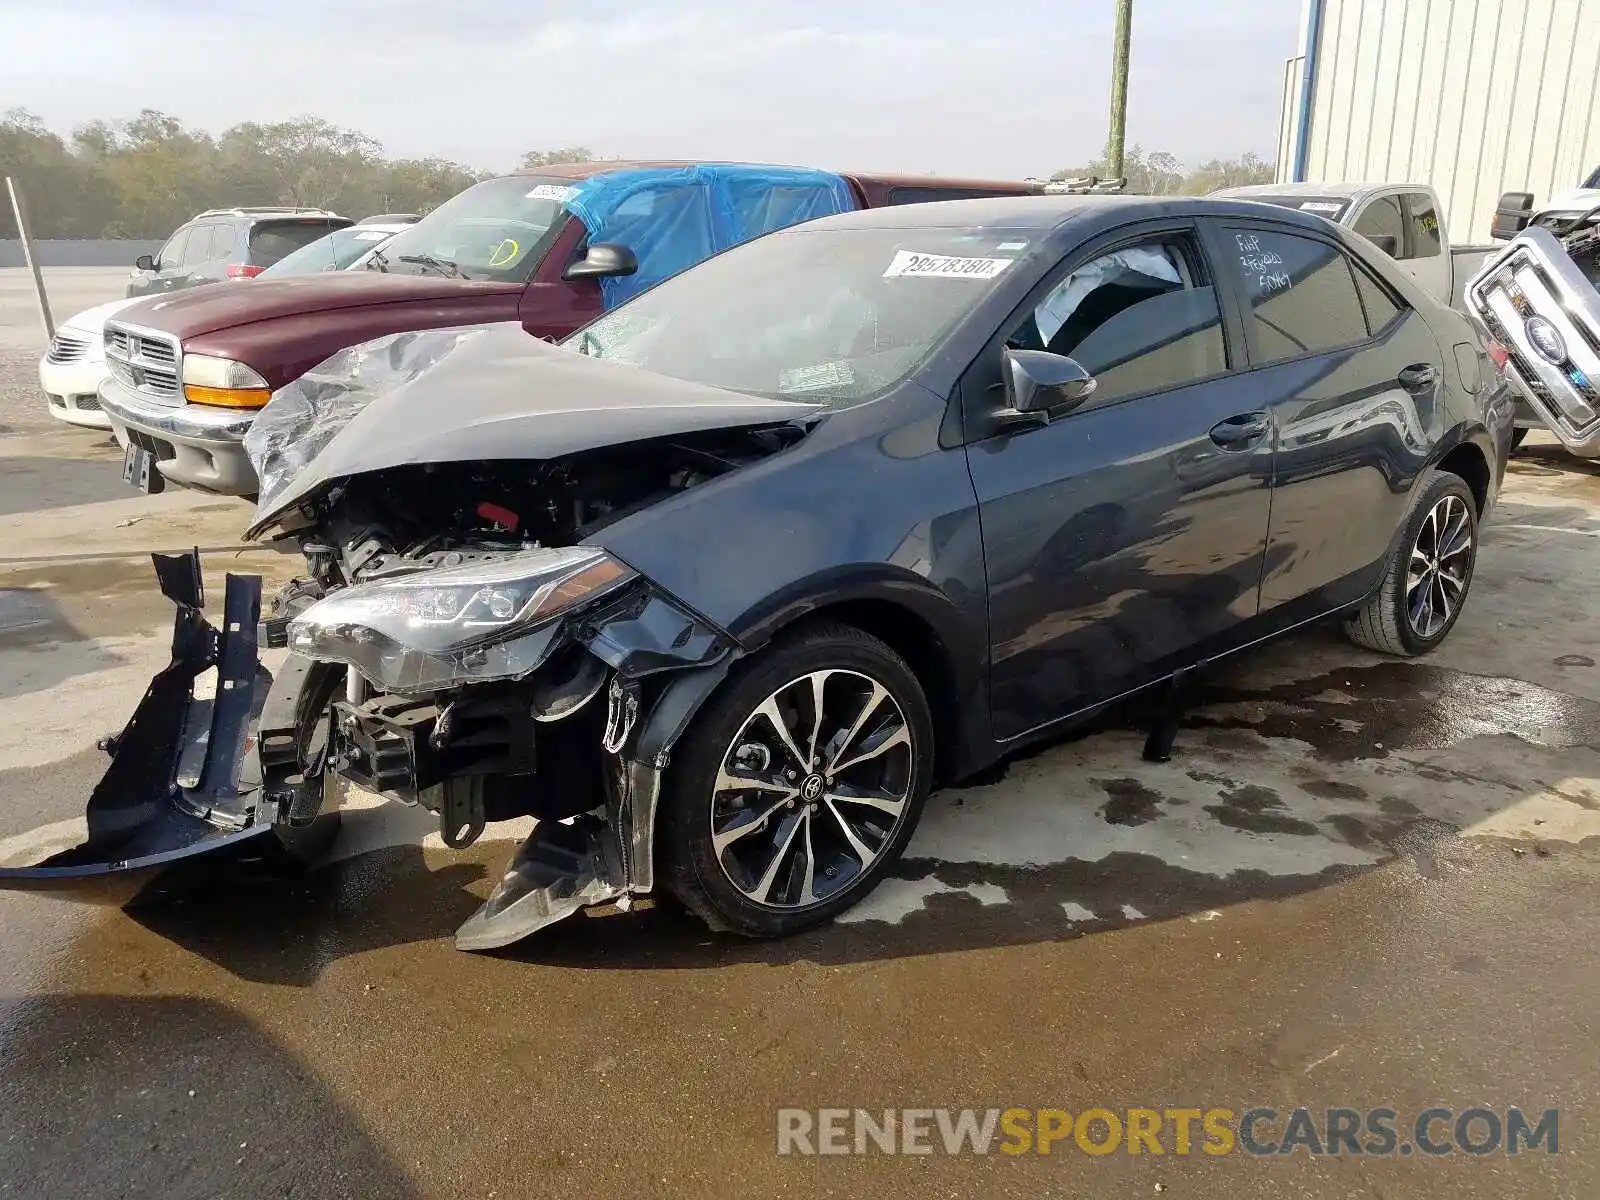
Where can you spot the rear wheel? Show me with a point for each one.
(799, 784)
(1426, 583)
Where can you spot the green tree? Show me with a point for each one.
(1157, 173)
(534, 159)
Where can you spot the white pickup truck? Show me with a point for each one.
(1402, 219)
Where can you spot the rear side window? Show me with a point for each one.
(1382, 224)
(1301, 294)
(222, 241)
(1381, 308)
(271, 240)
(1134, 319)
(1424, 223)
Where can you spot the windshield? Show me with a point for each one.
(816, 314)
(332, 253)
(498, 229)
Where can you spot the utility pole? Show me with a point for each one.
(1119, 87)
(19, 211)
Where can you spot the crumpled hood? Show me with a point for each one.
(466, 395)
(215, 306)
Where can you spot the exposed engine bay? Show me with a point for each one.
(441, 514)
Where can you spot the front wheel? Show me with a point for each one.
(1426, 583)
(799, 784)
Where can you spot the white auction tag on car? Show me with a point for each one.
(819, 378)
(552, 191)
(1320, 206)
(913, 263)
(372, 235)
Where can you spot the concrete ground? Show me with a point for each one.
(1359, 883)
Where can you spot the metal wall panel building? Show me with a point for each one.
(1476, 97)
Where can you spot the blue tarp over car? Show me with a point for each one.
(675, 217)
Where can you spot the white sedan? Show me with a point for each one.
(71, 370)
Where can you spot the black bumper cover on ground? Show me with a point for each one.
(184, 782)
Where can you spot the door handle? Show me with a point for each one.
(1418, 377)
(1242, 430)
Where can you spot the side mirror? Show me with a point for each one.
(1387, 242)
(1512, 212)
(1040, 385)
(605, 260)
(144, 263)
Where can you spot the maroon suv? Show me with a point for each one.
(551, 249)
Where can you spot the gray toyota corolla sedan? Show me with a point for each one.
(722, 586)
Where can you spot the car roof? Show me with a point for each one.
(589, 170)
(1344, 191)
(1047, 212)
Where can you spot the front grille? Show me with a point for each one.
(68, 347)
(144, 361)
(1535, 279)
(1527, 375)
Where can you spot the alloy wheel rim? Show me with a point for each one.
(1440, 568)
(812, 789)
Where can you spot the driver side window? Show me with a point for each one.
(1140, 319)
(172, 253)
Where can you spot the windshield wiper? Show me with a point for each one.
(443, 265)
(379, 257)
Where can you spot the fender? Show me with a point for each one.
(946, 638)
(664, 715)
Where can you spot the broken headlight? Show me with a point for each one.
(492, 619)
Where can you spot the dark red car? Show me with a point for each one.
(551, 249)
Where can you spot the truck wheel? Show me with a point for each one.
(798, 785)
(1518, 436)
(1425, 584)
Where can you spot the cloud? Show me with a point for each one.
(940, 85)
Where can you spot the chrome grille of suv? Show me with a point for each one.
(145, 361)
(68, 347)
(1534, 281)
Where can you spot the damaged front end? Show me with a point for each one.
(461, 640)
(568, 720)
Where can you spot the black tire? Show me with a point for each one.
(691, 867)
(1386, 622)
(1518, 436)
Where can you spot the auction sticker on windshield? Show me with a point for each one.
(552, 191)
(915, 264)
(820, 378)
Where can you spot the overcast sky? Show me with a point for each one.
(955, 86)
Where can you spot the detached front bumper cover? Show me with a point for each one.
(184, 781)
